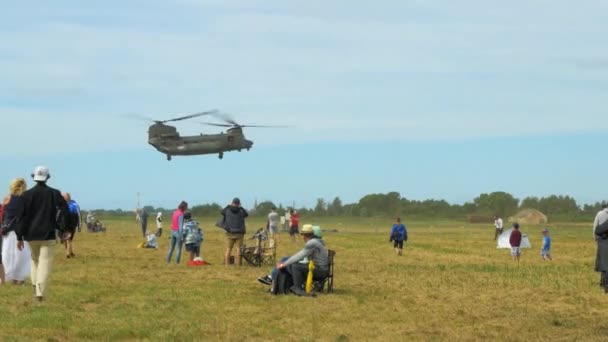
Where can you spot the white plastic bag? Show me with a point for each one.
(16, 262)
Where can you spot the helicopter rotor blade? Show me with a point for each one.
(138, 117)
(226, 118)
(263, 126)
(216, 124)
(210, 112)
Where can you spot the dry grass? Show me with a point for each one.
(451, 284)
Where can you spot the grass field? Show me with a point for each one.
(451, 284)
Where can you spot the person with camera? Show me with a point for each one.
(234, 223)
(600, 229)
(43, 213)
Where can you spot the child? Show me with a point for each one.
(399, 235)
(515, 241)
(151, 241)
(193, 239)
(545, 252)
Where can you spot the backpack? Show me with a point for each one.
(281, 285)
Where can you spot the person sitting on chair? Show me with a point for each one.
(314, 249)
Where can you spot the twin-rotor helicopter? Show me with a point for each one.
(168, 141)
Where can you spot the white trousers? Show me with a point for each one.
(43, 253)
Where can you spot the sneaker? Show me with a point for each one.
(266, 280)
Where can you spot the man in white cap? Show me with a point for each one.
(42, 213)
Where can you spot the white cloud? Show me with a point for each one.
(412, 70)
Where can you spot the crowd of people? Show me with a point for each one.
(33, 219)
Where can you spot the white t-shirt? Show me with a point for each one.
(601, 217)
(498, 223)
(159, 220)
(273, 219)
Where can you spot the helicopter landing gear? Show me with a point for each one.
(221, 155)
(248, 148)
(168, 157)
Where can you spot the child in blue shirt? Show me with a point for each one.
(193, 238)
(545, 252)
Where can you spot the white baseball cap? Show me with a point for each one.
(41, 174)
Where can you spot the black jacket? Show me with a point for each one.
(39, 217)
(234, 219)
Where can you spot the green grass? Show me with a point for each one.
(451, 284)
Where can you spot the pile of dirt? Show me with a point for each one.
(529, 216)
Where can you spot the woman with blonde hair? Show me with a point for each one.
(16, 263)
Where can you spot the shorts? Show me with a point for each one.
(234, 239)
(273, 229)
(545, 252)
(68, 234)
(193, 247)
(398, 244)
(293, 230)
(515, 251)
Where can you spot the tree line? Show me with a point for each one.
(556, 207)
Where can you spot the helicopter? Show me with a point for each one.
(167, 140)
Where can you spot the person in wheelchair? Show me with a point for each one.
(297, 265)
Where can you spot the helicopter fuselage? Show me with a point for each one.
(167, 140)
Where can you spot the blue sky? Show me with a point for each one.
(434, 99)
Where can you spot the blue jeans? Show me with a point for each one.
(176, 239)
(275, 271)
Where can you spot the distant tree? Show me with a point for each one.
(263, 208)
(335, 207)
(496, 203)
(320, 207)
(212, 209)
(530, 203)
(560, 206)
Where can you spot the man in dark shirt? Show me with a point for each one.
(144, 222)
(39, 218)
(234, 219)
(515, 241)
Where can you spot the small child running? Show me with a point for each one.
(545, 252)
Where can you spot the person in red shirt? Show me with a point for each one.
(515, 241)
(295, 220)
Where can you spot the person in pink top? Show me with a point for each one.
(177, 223)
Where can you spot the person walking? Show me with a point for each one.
(159, 224)
(294, 221)
(144, 222)
(16, 263)
(498, 224)
(40, 217)
(273, 227)
(398, 236)
(234, 218)
(177, 226)
(600, 229)
(545, 251)
(72, 225)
